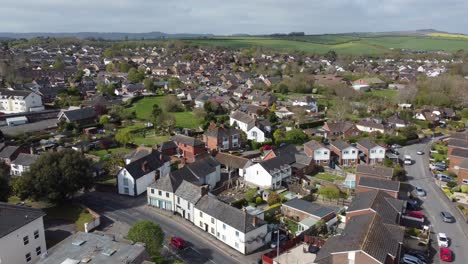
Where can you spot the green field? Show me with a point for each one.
(385, 94)
(346, 44)
(144, 106)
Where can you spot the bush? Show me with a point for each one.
(456, 189)
(239, 203)
(250, 195)
(451, 184)
(464, 189)
(258, 200)
(273, 198)
(461, 207)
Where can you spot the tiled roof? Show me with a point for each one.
(463, 153)
(367, 143)
(13, 217)
(79, 114)
(8, 152)
(189, 192)
(242, 117)
(231, 161)
(375, 183)
(25, 159)
(381, 202)
(313, 209)
(314, 145)
(187, 140)
(458, 143)
(340, 144)
(378, 171)
(276, 163)
(152, 162)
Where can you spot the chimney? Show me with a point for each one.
(204, 190)
(145, 166)
(254, 221)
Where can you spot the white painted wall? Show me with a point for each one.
(182, 205)
(321, 154)
(369, 129)
(258, 176)
(12, 248)
(18, 105)
(256, 135)
(143, 182)
(123, 174)
(377, 153)
(350, 153)
(161, 199)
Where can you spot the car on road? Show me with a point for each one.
(444, 178)
(442, 240)
(409, 259)
(420, 191)
(420, 152)
(446, 254)
(447, 217)
(408, 160)
(395, 146)
(178, 242)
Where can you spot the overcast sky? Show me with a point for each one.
(232, 16)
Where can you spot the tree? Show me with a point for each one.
(59, 64)
(331, 55)
(104, 120)
(149, 85)
(105, 89)
(167, 122)
(124, 137)
(172, 104)
(149, 233)
(273, 198)
(155, 114)
(279, 136)
(135, 76)
(399, 173)
(330, 192)
(296, 136)
(57, 176)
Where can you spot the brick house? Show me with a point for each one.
(456, 143)
(220, 138)
(463, 172)
(344, 153)
(456, 158)
(376, 201)
(373, 152)
(366, 184)
(340, 130)
(189, 147)
(318, 152)
(377, 172)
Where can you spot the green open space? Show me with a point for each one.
(387, 94)
(329, 177)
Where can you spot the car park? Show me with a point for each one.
(446, 254)
(442, 240)
(409, 259)
(420, 192)
(447, 217)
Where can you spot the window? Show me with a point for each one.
(160, 193)
(212, 220)
(178, 200)
(25, 240)
(465, 181)
(372, 151)
(237, 233)
(353, 151)
(188, 206)
(201, 214)
(224, 226)
(167, 195)
(152, 191)
(237, 245)
(38, 251)
(346, 152)
(126, 190)
(325, 152)
(28, 257)
(36, 234)
(212, 231)
(125, 182)
(201, 224)
(318, 151)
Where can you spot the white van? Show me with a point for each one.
(408, 160)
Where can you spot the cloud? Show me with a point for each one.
(228, 17)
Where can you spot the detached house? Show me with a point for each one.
(344, 153)
(318, 152)
(340, 130)
(370, 127)
(21, 163)
(138, 174)
(189, 147)
(81, 116)
(372, 152)
(247, 124)
(19, 101)
(270, 173)
(220, 138)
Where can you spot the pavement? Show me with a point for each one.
(203, 248)
(435, 202)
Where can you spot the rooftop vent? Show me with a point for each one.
(109, 252)
(78, 242)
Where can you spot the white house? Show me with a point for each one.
(318, 152)
(308, 102)
(22, 163)
(236, 228)
(370, 127)
(19, 101)
(345, 154)
(283, 112)
(185, 198)
(269, 173)
(22, 238)
(136, 176)
(247, 124)
(373, 153)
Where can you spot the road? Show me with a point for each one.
(435, 202)
(132, 210)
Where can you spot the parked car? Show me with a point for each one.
(419, 254)
(415, 214)
(409, 259)
(444, 178)
(420, 152)
(313, 249)
(412, 204)
(442, 240)
(420, 191)
(446, 254)
(178, 242)
(447, 217)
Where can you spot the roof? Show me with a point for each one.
(303, 159)
(370, 124)
(202, 167)
(380, 184)
(367, 233)
(187, 140)
(310, 208)
(231, 161)
(138, 153)
(8, 151)
(381, 202)
(25, 159)
(221, 132)
(457, 152)
(367, 143)
(11, 93)
(168, 145)
(338, 126)
(314, 145)
(277, 162)
(242, 117)
(95, 246)
(464, 164)
(152, 162)
(189, 192)
(377, 171)
(79, 114)
(458, 143)
(286, 150)
(340, 144)
(13, 217)
(238, 219)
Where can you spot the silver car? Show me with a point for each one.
(420, 192)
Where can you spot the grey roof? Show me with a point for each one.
(168, 183)
(221, 132)
(386, 206)
(289, 149)
(367, 143)
(460, 135)
(463, 153)
(25, 159)
(377, 171)
(340, 144)
(94, 247)
(313, 209)
(138, 153)
(303, 159)
(231, 161)
(370, 124)
(168, 145)
(464, 164)
(153, 162)
(187, 140)
(11, 93)
(13, 217)
(367, 233)
(458, 143)
(277, 162)
(242, 117)
(189, 192)
(238, 219)
(79, 114)
(380, 184)
(314, 145)
(202, 167)
(8, 152)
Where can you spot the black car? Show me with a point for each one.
(419, 254)
(447, 217)
(313, 249)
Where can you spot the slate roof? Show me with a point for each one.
(8, 152)
(367, 143)
(289, 149)
(222, 132)
(463, 153)
(458, 143)
(377, 171)
(79, 114)
(242, 117)
(25, 159)
(375, 183)
(303, 159)
(231, 161)
(314, 145)
(189, 192)
(203, 167)
(310, 208)
(367, 233)
(340, 144)
(153, 161)
(238, 219)
(381, 202)
(276, 163)
(11, 93)
(138, 153)
(13, 217)
(187, 140)
(168, 145)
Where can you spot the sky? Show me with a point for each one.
(223, 17)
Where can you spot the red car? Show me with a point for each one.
(266, 147)
(446, 254)
(178, 242)
(415, 214)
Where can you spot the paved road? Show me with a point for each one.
(129, 211)
(435, 202)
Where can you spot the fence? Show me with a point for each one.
(94, 223)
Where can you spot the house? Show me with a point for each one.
(186, 197)
(270, 173)
(221, 138)
(318, 152)
(306, 213)
(190, 148)
(138, 174)
(463, 173)
(232, 162)
(206, 171)
(247, 124)
(344, 153)
(22, 237)
(341, 129)
(81, 116)
(366, 183)
(284, 113)
(309, 103)
(378, 172)
(9, 153)
(373, 153)
(19, 101)
(457, 156)
(366, 239)
(100, 248)
(22, 163)
(370, 127)
(168, 148)
(376, 201)
(396, 122)
(236, 228)
(372, 82)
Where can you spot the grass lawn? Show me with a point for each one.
(328, 177)
(387, 94)
(149, 140)
(291, 225)
(71, 213)
(103, 153)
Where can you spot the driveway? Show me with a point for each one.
(435, 202)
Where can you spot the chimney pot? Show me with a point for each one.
(254, 221)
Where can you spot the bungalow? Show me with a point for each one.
(366, 183)
(344, 153)
(456, 143)
(378, 172)
(373, 153)
(81, 116)
(318, 152)
(190, 147)
(396, 122)
(372, 82)
(306, 213)
(370, 127)
(137, 175)
(379, 202)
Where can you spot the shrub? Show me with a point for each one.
(258, 200)
(456, 189)
(250, 195)
(273, 198)
(451, 184)
(464, 189)
(461, 207)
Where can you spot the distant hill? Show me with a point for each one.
(102, 35)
